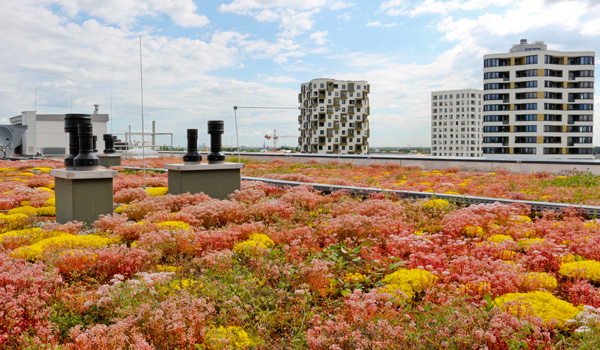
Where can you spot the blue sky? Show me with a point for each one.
(201, 58)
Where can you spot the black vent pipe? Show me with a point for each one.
(109, 144)
(72, 121)
(86, 158)
(215, 129)
(192, 156)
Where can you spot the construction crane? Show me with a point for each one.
(276, 137)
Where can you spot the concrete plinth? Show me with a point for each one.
(109, 159)
(215, 180)
(83, 195)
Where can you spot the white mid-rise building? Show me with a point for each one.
(334, 117)
(45, 133)
(538, 103)
(456, 123)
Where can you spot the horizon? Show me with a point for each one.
(199, 60)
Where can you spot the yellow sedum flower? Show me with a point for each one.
(541, 304)
(500, 238)
(355, 277)
(43, 169)
(157, 191)
(45, 211)
(257, 242)
(184, 284)
(47, 189)
(121, 208)
(439, 204)
(506, 255)
(419, 232)
(589, 269)
(541, 279)
(480, 288)
(408, 281)
(230, 337)
(520, 219)
(27, 210)
(526, 242)
(174, 225)
(13, 221)
(568, 258)
(168, 268)
(35, 250)
(51, 202)
(30, 233)
(473, 231)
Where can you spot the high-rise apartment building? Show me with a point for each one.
(456, 123)
(334, 117)
(538, 103)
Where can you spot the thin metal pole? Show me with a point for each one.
(35, 124)
(111, 113)
(142, 94)
(236, 132)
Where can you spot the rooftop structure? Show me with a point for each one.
(538, 103)
(334, 117)
(456, 123)
(45, 134)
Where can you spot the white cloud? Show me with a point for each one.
(379, 24)
(281, 80)
(244, 6)
(319, 37)
(394, 7)
(125, 13)
(279, 51)
(402, 7)
(591, 28)
(294, 17)
(528, 16)
(346, 16)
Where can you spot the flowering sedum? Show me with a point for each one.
(51, 202)
(168, 268)
(500, 238)
(157, 191)
(230, 337)
(473, 231)
(480, 288)
(257, 242)
(541, 304)
(520, 219)
(30, 233)
(355, 277)
(35, 250)
(408, 281)
(526, 242)
(439, 204)
(27, 210)
(43, 169)
(13, 221)
(121, 208)
(45, 211)
(174, 225)
(541, 279)
(589, 269)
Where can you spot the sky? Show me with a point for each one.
(201, 58)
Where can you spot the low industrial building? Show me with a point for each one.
(45, 134)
